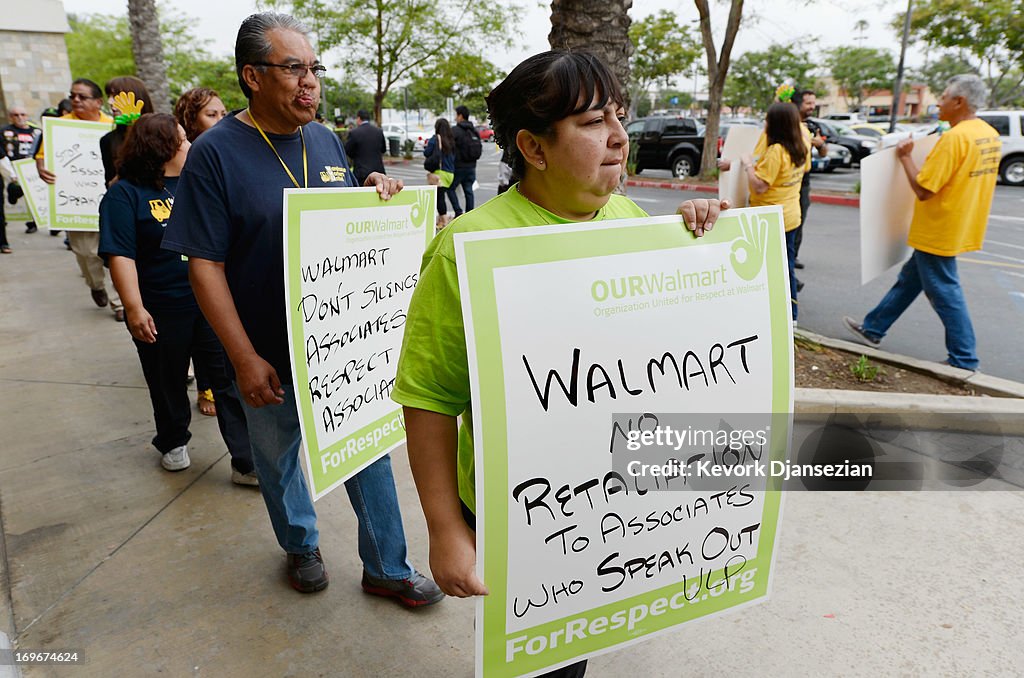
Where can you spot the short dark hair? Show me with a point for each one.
(798, 98)
(95, 90)
(151, 142)
(463, 111)
(544, 89)
(362, 114)
(252, 44)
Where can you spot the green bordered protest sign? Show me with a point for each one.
(72, 152)
(352, 262)
(580, 339)
(37, 196)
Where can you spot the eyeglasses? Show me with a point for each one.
(74, 96)
(19, 115)
(297, 70)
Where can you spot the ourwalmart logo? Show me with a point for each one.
(748, 251)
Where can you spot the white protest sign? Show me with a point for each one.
(732, 184)
(578, 336)
(37, 194)
(352, 262)
(886, 209)
(72, 152)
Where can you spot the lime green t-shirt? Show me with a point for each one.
(433, 370)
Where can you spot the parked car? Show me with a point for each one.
(1009, 124)
(672, 143)
(848, 118)
(399, 132)
(876, 130)
(838, 157)
(485, 132)
(836, 133)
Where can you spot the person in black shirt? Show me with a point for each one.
(365, 148)
(19, 139)
(161, 313)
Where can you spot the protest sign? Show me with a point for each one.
(351, 264)
(37, 197)
(579, 338)
(72, 152)
(732, 184)
(886, 208)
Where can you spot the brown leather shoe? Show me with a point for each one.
(100, 297)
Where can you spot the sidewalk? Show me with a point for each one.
(150, 573)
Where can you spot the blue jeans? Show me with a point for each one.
(791, 247)
(465, 177)
(938, 278)
(275, 436)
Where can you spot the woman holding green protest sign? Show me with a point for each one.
(559, 114)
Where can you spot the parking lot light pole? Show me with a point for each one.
(899, 70)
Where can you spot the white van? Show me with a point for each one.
(849, 118)
(1009, 124)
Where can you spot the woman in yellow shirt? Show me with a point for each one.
(776, 175)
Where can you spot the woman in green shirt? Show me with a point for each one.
(559, 114)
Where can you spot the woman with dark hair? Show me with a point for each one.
(442, 144)
(559, 115)
(199, 109)
(163, 316)
(776, 175)
(138, 103)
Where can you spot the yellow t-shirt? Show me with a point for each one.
(71, 116)
(961, 171)
(783, 177)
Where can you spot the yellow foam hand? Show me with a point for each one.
(126, 104)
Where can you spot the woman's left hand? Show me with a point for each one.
(386, 186)
(700, 215)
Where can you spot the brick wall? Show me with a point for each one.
(34, 70)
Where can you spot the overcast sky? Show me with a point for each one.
(829, 23)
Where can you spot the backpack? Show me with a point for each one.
(468, 147)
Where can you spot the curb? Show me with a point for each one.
(825, 198)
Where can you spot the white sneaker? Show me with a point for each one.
(248, 479)
(176, 460)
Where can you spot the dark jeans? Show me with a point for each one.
(465, 177)
(791, 260)
(442, 208)
(3, 220)
(183, 335)
(805, 204)
(576, 670)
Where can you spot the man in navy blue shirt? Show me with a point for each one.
(227, 219)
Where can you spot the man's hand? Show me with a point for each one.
(724, 165)
(45, 174)
(453, 563)
(386, 186)
(141, 324)
(700, 215)
(904, 148)
(258, 383)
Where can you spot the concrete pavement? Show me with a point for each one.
(149, 573)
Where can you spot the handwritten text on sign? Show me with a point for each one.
(352, 265)
(580, 553)
(36, 190)
(72, 150)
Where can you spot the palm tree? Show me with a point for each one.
(598, 26)
(147, 48)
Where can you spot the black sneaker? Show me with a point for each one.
(857, 330)
(416, 591)
(799, 285)
(30, 227)
(306, 572)
(797, 263)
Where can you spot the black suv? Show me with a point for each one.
(671, 143)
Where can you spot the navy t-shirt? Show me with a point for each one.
(228, 208)
(132, 221)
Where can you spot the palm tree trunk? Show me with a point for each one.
(147, 48)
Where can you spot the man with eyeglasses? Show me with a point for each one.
(227, 219)
(18, 139)
(86, 99)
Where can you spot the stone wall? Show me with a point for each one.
(34, 70)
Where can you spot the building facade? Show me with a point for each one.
(34, 70)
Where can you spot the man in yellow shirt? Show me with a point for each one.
(86, 100)
(954, 189)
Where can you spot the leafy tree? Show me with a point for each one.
(99, 47)
(387, 41)
(718, 70)
(754, 76)
(662, 50)
(466, 78)
(936, 73)
(989, 33)
(345, 95)
(860, 71)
